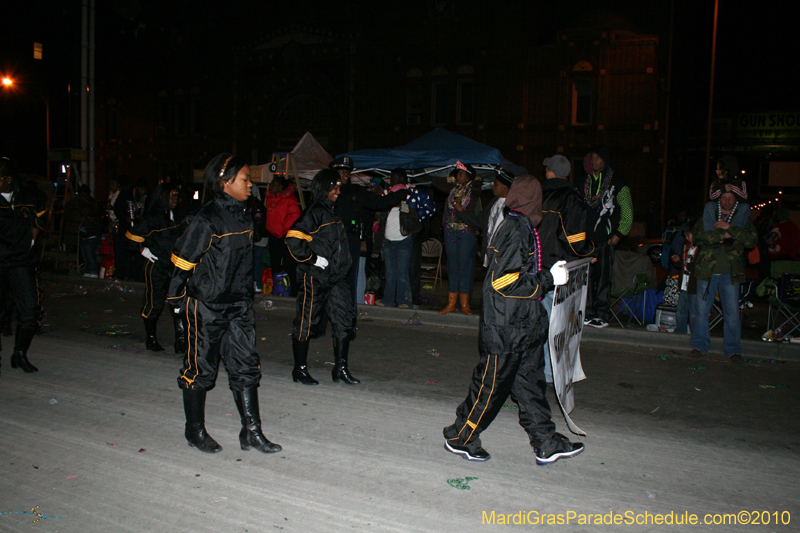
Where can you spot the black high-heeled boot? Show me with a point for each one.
(341, 350)
(150, 331)
(19, 359)
(194, 405)
(300, 370)
(180, 334)
(251, 436)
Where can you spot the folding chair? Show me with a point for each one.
(432, 249)
(783, 289)
(716, 308)
(628, 303)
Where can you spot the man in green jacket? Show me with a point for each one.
(719, 266)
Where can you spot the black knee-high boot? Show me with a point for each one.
(341, 349)
(251, 435)
(19, 359)
(194, 405)
(300, 370)
(180, 334)
(150, 331)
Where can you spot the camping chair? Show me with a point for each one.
(783, 291)
(716, 308)
(432, 249)
(627, 304)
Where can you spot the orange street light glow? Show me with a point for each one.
(7, 81)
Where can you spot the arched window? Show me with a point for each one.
(440, 97)
(465, 97)
(414, 97)
(582, 93)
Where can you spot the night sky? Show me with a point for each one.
(756, 51)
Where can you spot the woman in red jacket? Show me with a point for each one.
(282, 212)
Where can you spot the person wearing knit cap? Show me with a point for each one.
(729, 180)
(490, 216)
(610, 217)
(562, 231)
(512, 331)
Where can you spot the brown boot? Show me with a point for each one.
(451, 303)
(465, 304)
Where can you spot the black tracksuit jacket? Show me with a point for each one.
(320, 232)
(562, 231)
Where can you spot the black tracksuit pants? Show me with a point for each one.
(315, 300)
(19, 283)
(519, 374)
(156, 279)
(220, 331)
(599, 291)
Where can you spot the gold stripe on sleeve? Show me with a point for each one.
(134, 238)
(505, 281)
(183, 264)
(299, 235)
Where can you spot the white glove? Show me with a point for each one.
(560, 273)
(321, 262)
(147, 254)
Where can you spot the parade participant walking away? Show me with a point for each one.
(154, 236)
(395, 235)
(460, 242)
(22, 216)
(610, 217)
(353, 208)
(719, 266)
(318, 243)
(562, 231)
(491, 216)
(212, 288)
(512, 333)
(258, 212)
(282, 212)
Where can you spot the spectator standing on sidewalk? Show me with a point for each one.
(608, 198)
(490, 217)
(395, 234)
(512, 332)
(562, 231)
(83, 221)
(719, 267)
(460, 241)
(282, 212)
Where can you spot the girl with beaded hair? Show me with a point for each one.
(513, 330)
(212, 289)
(728, 180)
(460, 241)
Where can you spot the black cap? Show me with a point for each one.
(342, 161)
(505, 177)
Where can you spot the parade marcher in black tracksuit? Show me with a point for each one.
(512, 332)
(154, 236)
(318, 243)
(212, 287)
(22, 213)
(355, 206)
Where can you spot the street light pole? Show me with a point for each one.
(711, 97)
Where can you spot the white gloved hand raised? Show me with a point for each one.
(321, 262)
(147, 254)
(560, 273)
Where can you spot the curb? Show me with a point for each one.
(609, 335)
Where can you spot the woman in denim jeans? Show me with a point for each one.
(396, 227)
(460, 242)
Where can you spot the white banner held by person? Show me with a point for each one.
(566, 326)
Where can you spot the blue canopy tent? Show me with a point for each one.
(434, 155)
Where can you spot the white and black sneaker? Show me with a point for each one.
(559, 447)
(595, 323)
(467, 453)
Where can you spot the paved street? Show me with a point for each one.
(95, 438)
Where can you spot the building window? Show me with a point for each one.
(111, 124)
(163, 114)
(195, 114)
(466, 101)
(304, 113)
(582, 93)
(414, 97)
(440, 97)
